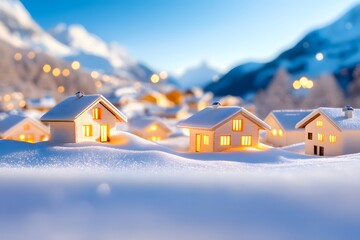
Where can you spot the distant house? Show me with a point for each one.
(83, 118)
(41, 104)
(22, 128)
(152, 129)
(219, 128)
(175, 96)
(332, 131)
(156, 98)
(283, 131)
(196, 104)
(178, 112)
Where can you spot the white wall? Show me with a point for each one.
(330, 149)
(62, 132)
(87, 119)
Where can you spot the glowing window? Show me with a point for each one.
(237, 125)
(206, 139)
(155, 138)
(320, 137)
(225, 140)
(280, 132)
(30, 138)
(319, 123)
(22, 137)
(44, 138)
(87, 130)
(246, 140)
(274, 132)
(153, 127)
(97, 113)
(332, 138)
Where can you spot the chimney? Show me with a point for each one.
(216, 105)
(79, 94)
(348, 110)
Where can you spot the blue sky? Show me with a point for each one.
(173, 34)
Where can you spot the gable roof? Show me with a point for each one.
(210, 118)
(336, 116)
(141, 124)
(287, 119)
(12, 120)
(72, 107)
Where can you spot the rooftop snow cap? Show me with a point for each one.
(79, 94)
(215, 105)
(348, 110)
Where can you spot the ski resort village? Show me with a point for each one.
(167, 138)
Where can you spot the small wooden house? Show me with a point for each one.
(219, 128)
(283, 131)
(22, 128)
(156, 98)
(83, 118)
(149, 128)
(175, 96)
(332, 131)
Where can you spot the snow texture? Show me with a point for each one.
(70, 108)
(337, 116)
(210, 117)
(289, 118)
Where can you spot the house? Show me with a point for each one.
(178, 112)
(196, 104)
(156, 98)
(219, 128)
(283, 131)
(149, 128)
(332, 131)
(22, 128)
(42, 104)
(83, 118)
(175, 96)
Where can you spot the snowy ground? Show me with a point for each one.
(141, 190)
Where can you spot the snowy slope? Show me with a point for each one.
(140, 190)
(330, 49)
(199, 75)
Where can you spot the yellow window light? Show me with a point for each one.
(274, 132)
(225, 140)
(206, 139)
(97, 113)
(319, 123)
(332, 138)
(320, 137)
(237, 125)
(87, 130)
(280, 133)
(246, 140)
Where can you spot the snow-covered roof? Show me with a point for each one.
(287, 119)
(12, 120)
(141, 124)
(9, 122)
(72, 107)
(210, 117)
(336, 116)
(48, 101)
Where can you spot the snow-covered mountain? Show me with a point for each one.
(331, 49)
(199, 75)
(73, 42)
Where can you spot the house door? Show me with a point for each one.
(315, 150)
(321, 151)
(197, 143)
(104, 133)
